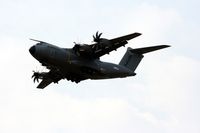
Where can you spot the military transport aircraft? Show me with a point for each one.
(83, 60)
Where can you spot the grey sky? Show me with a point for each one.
(163, 97)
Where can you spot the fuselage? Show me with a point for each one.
(83, 60)
(71, 63)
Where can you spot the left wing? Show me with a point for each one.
(103, 46)
(114, 44)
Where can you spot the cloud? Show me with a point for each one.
(164, 106)
(174, 89)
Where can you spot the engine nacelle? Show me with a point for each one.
(83, 50)
(104, 42)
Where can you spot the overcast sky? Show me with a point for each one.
(163, 97)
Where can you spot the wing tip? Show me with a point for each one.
(166, 46)
(38, 87)
(137, 33)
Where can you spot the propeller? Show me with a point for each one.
(97, 37)
(36, 76)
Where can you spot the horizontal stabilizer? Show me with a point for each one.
(148, 49)
(132, 57)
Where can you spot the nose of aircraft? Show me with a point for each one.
(32, 50)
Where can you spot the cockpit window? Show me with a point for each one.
(39, 44)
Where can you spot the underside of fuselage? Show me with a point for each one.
(93, 70)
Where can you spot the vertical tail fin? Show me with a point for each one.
(132, 57)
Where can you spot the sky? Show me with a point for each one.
(162, 97)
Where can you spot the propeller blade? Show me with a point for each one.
(34, 80)
(99, 35)
(94, 38)
(35, 76)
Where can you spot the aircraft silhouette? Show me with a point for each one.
(83, 60)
